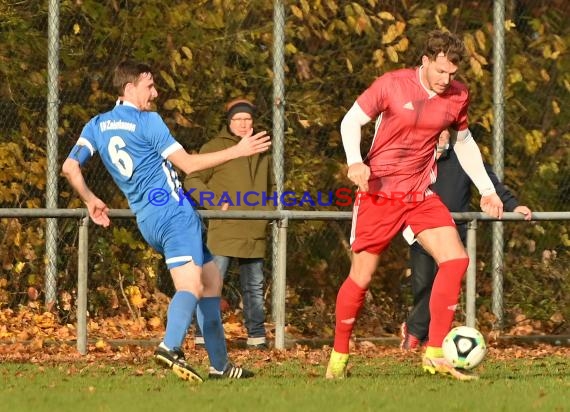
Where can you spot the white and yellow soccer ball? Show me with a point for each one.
(464, 347)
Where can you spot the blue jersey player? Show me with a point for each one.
(139, 152)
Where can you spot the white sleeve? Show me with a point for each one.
(471, 161)
(350, 130)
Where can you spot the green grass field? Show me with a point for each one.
(286, 381)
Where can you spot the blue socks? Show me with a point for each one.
(210, 322)
(180, 312)
(179, 316)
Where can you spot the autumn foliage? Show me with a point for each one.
(206, 52)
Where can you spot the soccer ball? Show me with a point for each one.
(464, 347)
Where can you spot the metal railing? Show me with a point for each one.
(282, 218)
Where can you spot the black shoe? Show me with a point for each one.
(260, 346)
(174, 359)
(257, 343)
(230, 372)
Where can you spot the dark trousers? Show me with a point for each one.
(424, 269)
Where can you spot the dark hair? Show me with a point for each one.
(447, 43)
(128, 71)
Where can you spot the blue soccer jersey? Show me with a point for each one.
(134, 146)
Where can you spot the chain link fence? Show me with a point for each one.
(206, 53)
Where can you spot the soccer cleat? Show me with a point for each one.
(444, 367)
(409, 341)
(230, 372)
(337, 366)
(174, 359)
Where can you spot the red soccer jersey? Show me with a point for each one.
(402, 155)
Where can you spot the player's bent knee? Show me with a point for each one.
(212, 289)
(188, 277)
(363, 266)
(212, 280)
(193, 286)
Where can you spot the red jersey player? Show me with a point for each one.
(412, 107)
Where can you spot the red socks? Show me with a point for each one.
(349, 301)
(443, 302)
(444, 298)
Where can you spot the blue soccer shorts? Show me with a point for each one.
(177, 233)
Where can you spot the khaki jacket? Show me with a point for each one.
(235, 238)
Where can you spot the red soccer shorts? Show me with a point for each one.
(377, 220)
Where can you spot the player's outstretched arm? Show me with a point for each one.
(97, 208)
(247, 146)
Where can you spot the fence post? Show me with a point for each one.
(470, 282)
(278, 138)
(499, 57)
(51, 151)
(497, 271)
(82, 266)
(280, 285)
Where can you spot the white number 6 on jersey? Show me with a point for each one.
(120, 158)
